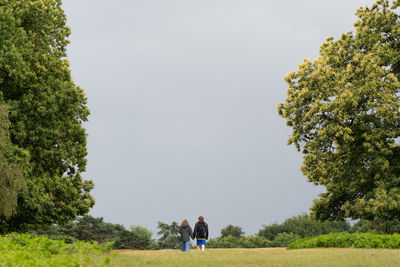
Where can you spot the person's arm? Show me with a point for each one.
(194, 232)
(206, 231)
(180, 230)
(191, 232)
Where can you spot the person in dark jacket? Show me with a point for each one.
(186, 233)
(201, 233)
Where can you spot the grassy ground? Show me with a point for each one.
(260, 257)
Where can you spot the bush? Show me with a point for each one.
(239, 242)
(255, 241)
(143, 238)
(30, 250)
(347, 240)
(303, 226)
(284, 239)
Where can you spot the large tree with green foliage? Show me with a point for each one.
(12, 163)
(344, 110)
(46, 112)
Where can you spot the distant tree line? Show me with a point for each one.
(89, 228)
(277, 235)
(294, 228)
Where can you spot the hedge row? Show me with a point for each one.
(347, 240)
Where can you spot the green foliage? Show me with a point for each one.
(303, 226)
(169, 235)
(233, 237)
(88, 228)
(12, 162)
(284, 239)
(271, 231)
(143, 238)
(343, 108)
(226, 242)
(255, 241)
(28, 250)
(347, 240)
(377, 226)
(239, 242)
(46, 113)
(230, 230)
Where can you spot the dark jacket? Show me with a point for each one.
(186, 233)
(196, 227)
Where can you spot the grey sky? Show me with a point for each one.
(183, 98)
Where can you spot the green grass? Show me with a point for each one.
(261, 257)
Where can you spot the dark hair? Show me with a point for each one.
(201, 218)
(185, 222)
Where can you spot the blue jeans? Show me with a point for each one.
(186, 246)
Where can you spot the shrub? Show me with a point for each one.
(257, 242)
(239, 242)
(347, 240)
(284, 239)
(30, 250)
(303, 226)
(143, 237)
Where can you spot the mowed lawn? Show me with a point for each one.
(260, 257)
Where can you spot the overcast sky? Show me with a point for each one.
(183, 98)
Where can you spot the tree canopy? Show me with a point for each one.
(303, 226)
(46, 112)
(88, 228)
(344, 108)
(232, 230)
(169, 235)
(12, 162)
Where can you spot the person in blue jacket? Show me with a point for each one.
(201, 233)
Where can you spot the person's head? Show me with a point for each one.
(185, 222)
(201, 218)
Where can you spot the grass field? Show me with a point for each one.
(260, 257)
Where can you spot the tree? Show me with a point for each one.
(88, 228)
(344, 111)
(303, 226)
(169, 235)
(230, 230)
(271, 231)
(377, 226)
(143, 237)
(12, 160)
(284, 239)
(46, 112)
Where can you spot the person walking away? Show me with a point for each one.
(201, 233)
(186, 233)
